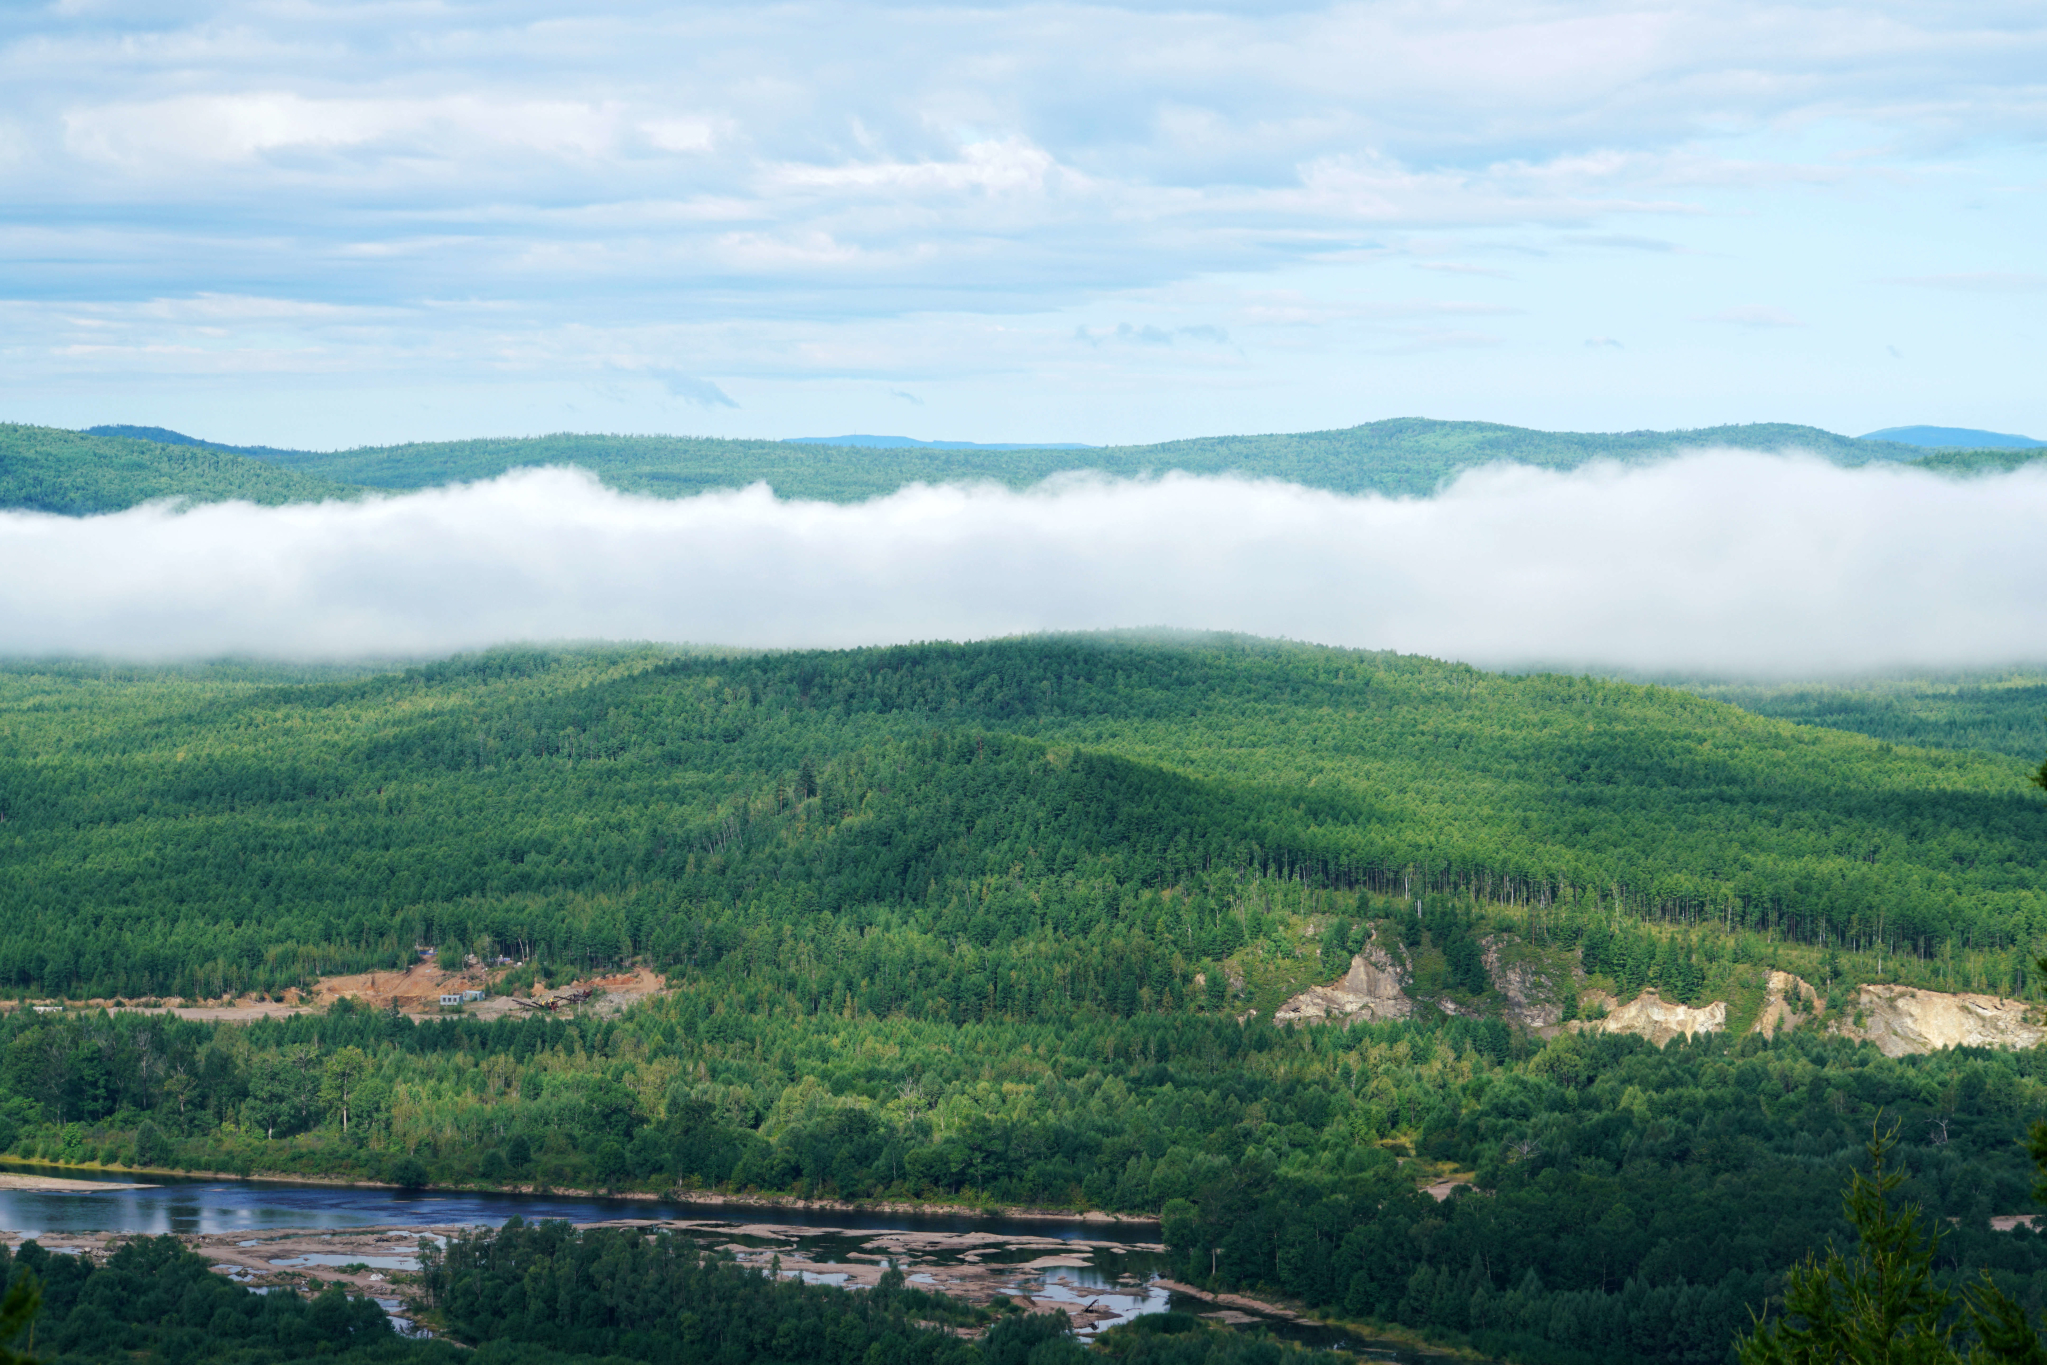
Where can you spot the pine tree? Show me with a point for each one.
(17, 1315)
(1884, 1305)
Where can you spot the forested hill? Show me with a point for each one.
(170, 831)
(1403, 456)
(44, 469)
(1407, 456)
(1007, 923)
(2004, 711)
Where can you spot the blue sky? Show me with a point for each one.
(328, 224)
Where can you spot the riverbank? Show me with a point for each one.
(1097, 1282)
(1239, 1308)
(910, 1208)
(11, 1180)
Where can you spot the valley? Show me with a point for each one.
(1354, 970)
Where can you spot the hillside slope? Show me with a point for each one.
(1402, 456)
(171, 833)
(119, 466)
(1971, 462)
(1006, 923)
(2004, 712)
(43, 469)
(1955, 438)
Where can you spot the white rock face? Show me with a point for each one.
(1900, 1020)
(1778, 993)
(1903, 1021)
(1370, 990)
(1657, 1019)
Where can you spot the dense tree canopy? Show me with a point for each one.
(115, 467)
(187, 833)
(1006, 923)
(43, 469)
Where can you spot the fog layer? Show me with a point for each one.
(1718, 562)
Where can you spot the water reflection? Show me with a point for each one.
(1088, 1288)
(1122, 1282)
(373, 1262)
(186, 1206)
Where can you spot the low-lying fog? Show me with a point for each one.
(1714, 562)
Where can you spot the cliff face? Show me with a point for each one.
(1372, 989)
(1531, 999)
(1655, 1018)
(1899, 1020)
(1903, 1020)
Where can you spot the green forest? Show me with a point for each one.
(197, 832)
(1628, 1203)
(44, 469)
(2004, 712)
(1006, 924)
(77, 473)
(1408, 456)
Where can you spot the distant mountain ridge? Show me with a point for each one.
(1955, 438)
(905, 442)
(165, 436)
(112, 467)
(75, 473)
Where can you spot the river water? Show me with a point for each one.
(216, 1207)
(172, 1204)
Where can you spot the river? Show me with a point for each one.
(1118, 1277)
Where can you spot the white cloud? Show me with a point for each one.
(1983, 282)
(1754, 315)
(1721, 561)
(1457, 268)
(163, 137)
(621, 163)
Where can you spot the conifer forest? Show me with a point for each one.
(1007, 926)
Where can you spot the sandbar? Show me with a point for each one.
(10, 1181)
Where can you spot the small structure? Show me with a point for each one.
(469, 996)
(451, 999)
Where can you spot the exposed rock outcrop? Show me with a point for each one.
(1903, 1020)
(1373, 988)
(1900, 1020)
(1778, 992)
(1528, 995)
(1657, 1019)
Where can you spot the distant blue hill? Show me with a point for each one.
(905, 442)
(1397, 457)
(164, 436)
(1954, 438)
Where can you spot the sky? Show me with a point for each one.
(1716, 563)
(327, 224)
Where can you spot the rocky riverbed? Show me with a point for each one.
(1096, 1283)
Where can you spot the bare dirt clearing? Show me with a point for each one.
(418, 990)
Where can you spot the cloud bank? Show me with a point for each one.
(1722, 562)
(319, 224)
